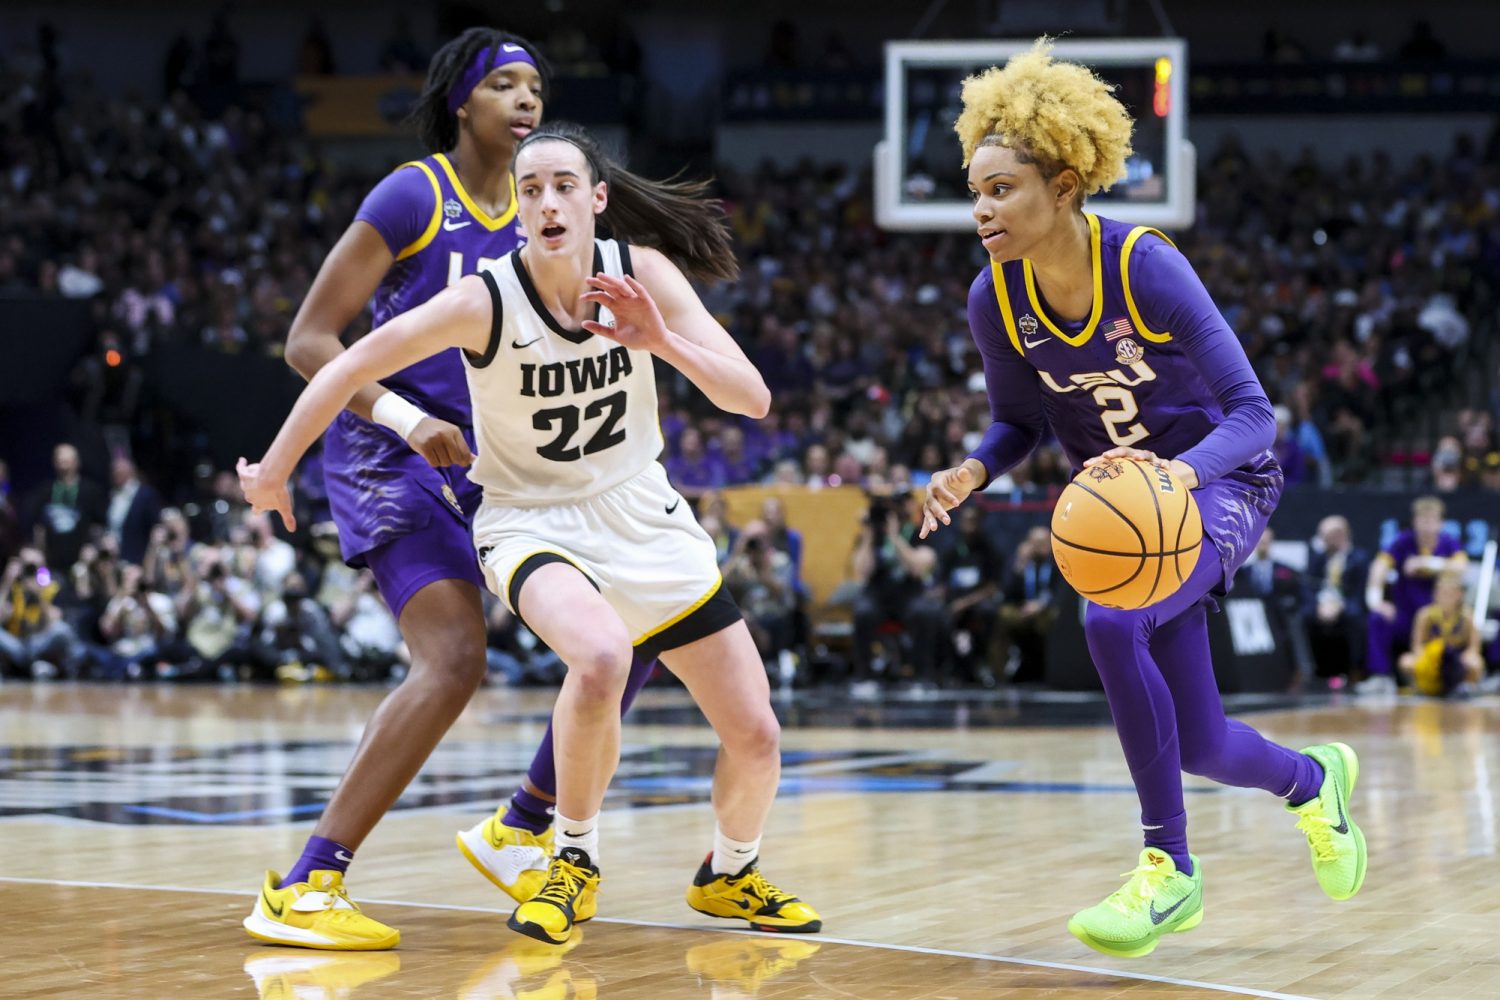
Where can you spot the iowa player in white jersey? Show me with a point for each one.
(580, 531)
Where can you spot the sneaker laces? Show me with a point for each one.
(1319, 831)
(1144, 883)
(757, 882)
(564, 882)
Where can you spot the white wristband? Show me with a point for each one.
(397, 413)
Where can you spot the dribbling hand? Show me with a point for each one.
(265, 494)
(1185, 473)
(638, 323)
(440, 443)
(947, 490)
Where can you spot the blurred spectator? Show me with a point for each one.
(1337, 572)
(137, 624)
(514, 653)
(893, 579)
(1284, 590)
(1029, 609)
(295, 632)
(64, 511)
(1447, 465)
(275, 560)
(133, 511)
(1444, 657)
(367, 630)
(971, 568)
(760, 576)
(34, 639)
(217, 612)
(691, 468)
(1409, 565)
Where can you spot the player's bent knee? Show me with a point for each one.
(1104, 628)
(600, 672)
(758, 735)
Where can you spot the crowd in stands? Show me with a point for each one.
(1362, 295)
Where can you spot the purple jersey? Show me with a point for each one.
(438, 235)
(1410, 593)
(1153, 366)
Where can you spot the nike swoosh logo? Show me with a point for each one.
(276, 910)
(740, 903)
(1158, 917)
(517, 343)
(345, 858)
(673, 508)
(511, 47)
(1033, 344)
(1343, 828)
(449, 225)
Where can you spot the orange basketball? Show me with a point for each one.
(1126, 534)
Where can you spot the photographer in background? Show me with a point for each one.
(760, 577)
(1029, 609)
(895, 579)
(35, 641)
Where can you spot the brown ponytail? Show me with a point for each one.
(675, 217)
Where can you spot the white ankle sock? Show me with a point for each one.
(580, 833)
(730, 856)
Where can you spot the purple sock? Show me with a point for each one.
(320, 854)
(1308, 782)
(1170, 837)
(528, 811)
(531, 812)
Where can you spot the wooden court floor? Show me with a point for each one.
(945, 841)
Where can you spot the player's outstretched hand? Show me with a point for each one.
(264, 494)
(946, 490)
(440, 443)
(637, 322)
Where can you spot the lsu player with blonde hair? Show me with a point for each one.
(1103, 331)
(579, 531)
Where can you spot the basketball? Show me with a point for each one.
(1125, 534)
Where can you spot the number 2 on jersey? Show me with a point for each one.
(1117, 423)
(607, 435)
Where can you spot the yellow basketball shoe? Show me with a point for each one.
(743, 963)
(749, 897)
(286, 975)
(316, 914)
(513, 858)
(569, 897)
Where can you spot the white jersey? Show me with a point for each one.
(559, 414)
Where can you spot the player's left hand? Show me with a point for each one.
(1185, 473)
(637, 322)
(264, 493)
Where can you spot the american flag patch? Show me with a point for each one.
(1119, 328)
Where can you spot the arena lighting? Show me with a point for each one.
(1161, 97)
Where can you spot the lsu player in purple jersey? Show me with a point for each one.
(1104, 332)
(579, 531)
(395, 462)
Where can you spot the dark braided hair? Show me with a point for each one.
(675, 217)
(437, 126)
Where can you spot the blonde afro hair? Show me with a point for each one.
(1056, 114)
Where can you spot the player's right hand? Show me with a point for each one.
(441, 443)
(263, 493)
(946, 490)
